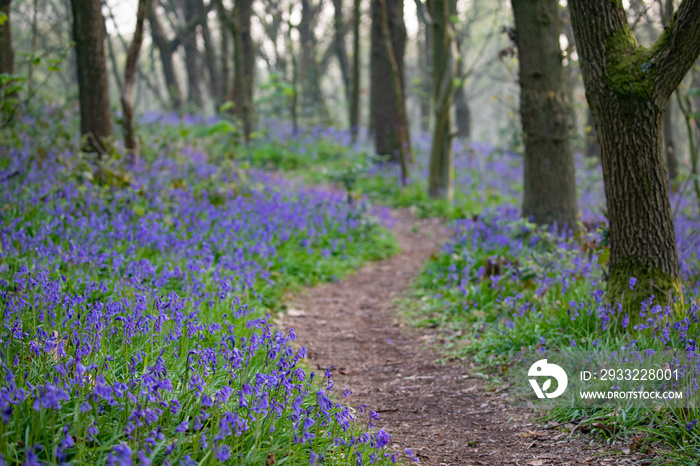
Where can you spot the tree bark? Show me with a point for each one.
(7, 56)
(425, 63)
(355, 98)
(127, 94)
(627, 87)
(311, 96)
(388, 123)
(89, 37)
(549, 194)
(441, 178)
(669, 142)
(463, 116)
(210, 57)
(341, 52)
(592, 145)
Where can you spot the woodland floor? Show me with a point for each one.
(438, 409)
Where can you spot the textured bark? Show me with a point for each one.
(6, 52)
(192, 55)
(89, 37)
(166, 48)
(549, 195)
(387, 70)
(670, 143)
(592, 145)
(441, 178)
(340, 51)
(627, 87)
(355, 98)
(127, 94)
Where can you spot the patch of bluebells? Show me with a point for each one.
(130, 332)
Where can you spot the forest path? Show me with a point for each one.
(438, 410)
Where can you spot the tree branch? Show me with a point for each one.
(677, 48)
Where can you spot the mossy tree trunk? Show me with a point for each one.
(549, 177)
(441, 177)
(7, 56)
(627, 87)
(89, 37)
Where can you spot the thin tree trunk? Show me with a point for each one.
(441, 178)
(388, 114)
(35, 41)
(127, 98)
(425, 45)
(293, 98)
(355, 98)
(7, 55)
(89, 37)
(628, 87)
(549, 195)
(192, 59)
(210, 56)
(165, 49)
(463, 117)
(339, 45)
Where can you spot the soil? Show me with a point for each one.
(442, 411)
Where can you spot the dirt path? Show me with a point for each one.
(438, 410)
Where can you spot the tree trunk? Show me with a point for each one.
(192, 58)
(165, 49)
(339, 45)
(294, 96)
(628, 87)
(355, 99)
(311, 97)
(463, 116)
(670, 143)
(441, 178)
(7, 55)
(244, 62)
(389, 127)
(592, 146)
(425, 46)
(549, 194)
(210, 56)
(127, 94)
(89, 37)
(224, 38)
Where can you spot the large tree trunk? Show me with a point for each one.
(89, 37)
(441, 178)
(549, 194)
(340, 51)
(127, 94)
(165, 49)
(628, 87)
(6, 53)
(389, 131)
(355, 98)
